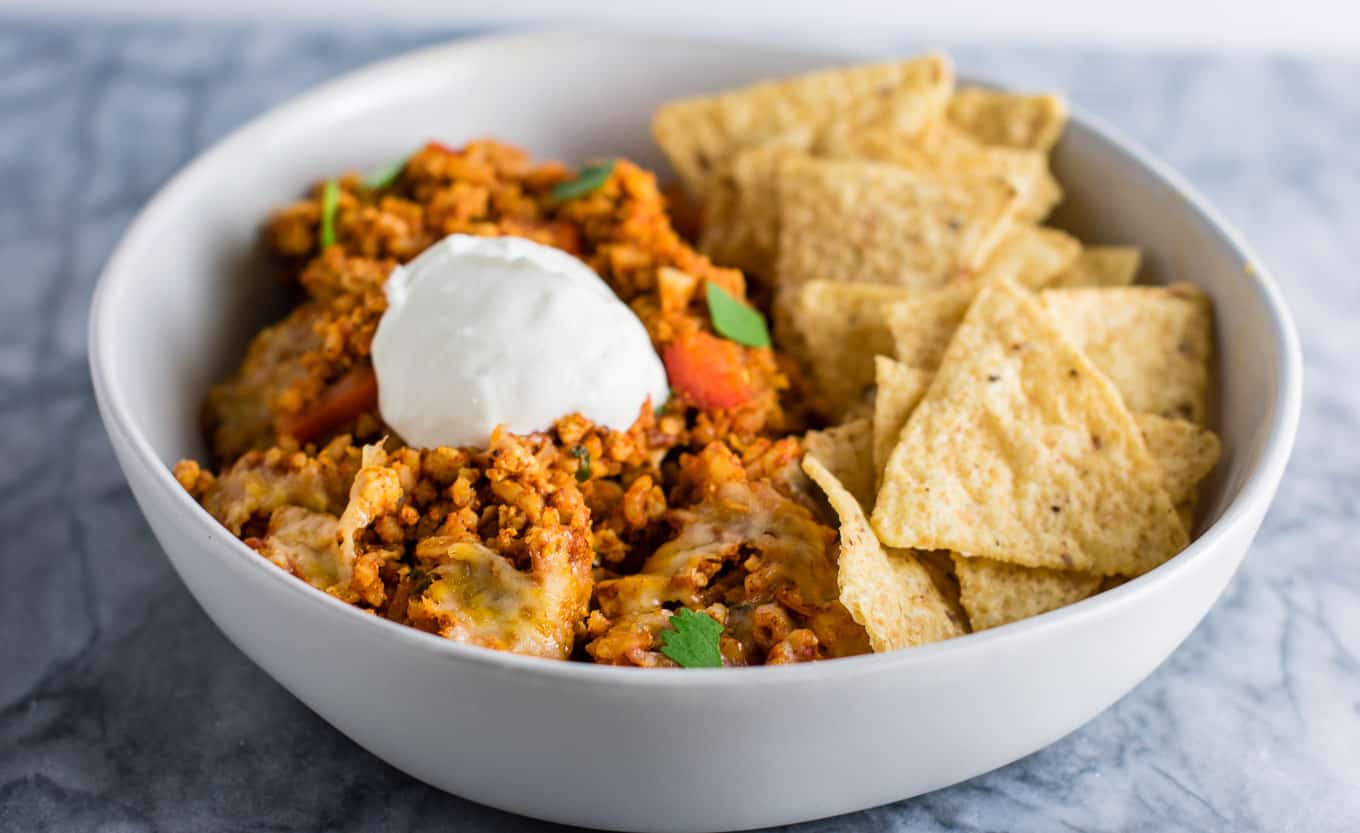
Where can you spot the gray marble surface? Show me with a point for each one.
(122, 709)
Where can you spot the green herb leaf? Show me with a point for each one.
(582, 454)
(693, 642)
(422, 583)
(330, 204)
(588, 179)
(386, 175)
(735, 320)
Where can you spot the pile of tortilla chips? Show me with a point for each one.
(1015, 425)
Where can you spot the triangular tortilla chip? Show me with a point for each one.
(1023, 452)
(1029, 122)
(888, 592)
(839, 327)
(1185, 452)
(868, 222)
(923, 323)
(1111, 582)
(951, 150)
(741, 210)
(941, 568)
(995, 593)
(1102, 266)
(846, 451)
(893, 117)
(944, 151)
(1032, 256)
(1154, 342)
(700, 134)
(899, 389)
(1040, 192)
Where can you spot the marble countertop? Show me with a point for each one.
(123, 709)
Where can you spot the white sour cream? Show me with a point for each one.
(487, 331)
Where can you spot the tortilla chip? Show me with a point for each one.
(847, 452)
(1022, 451)
(893, 117)
(899, 389)
(866, 222)
(699, 135)
(1154, 342)
(941, 569)
(1185, 513)
(952, 150)
(888, 592)
(1032, 256)
(741, 211)
(995, 593)
(923, 323)
(1102, 266)
(1186, 453)
(1028, 122)
(946, 152)
(839, 328)
(1111, 582)
(1040, 192)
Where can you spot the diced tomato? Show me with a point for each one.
(710, 371)
(348, 397)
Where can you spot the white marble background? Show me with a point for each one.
(122, 709)
(1300, 26)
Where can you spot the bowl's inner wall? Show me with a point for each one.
(202, 289)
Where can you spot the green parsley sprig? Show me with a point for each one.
(330, 206)
(735, 320)
(588, 179)
(386, 175)
(582, 455)
(692, 640)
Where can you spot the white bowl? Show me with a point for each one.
(627, 748)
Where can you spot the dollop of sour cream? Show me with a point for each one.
(487, 331)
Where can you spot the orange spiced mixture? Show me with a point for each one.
(578, 542)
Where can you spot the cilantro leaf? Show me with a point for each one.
(386, 175)
(590, 178)
(330, 205)
(735, 320)
(582, 454)
(693, 642)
